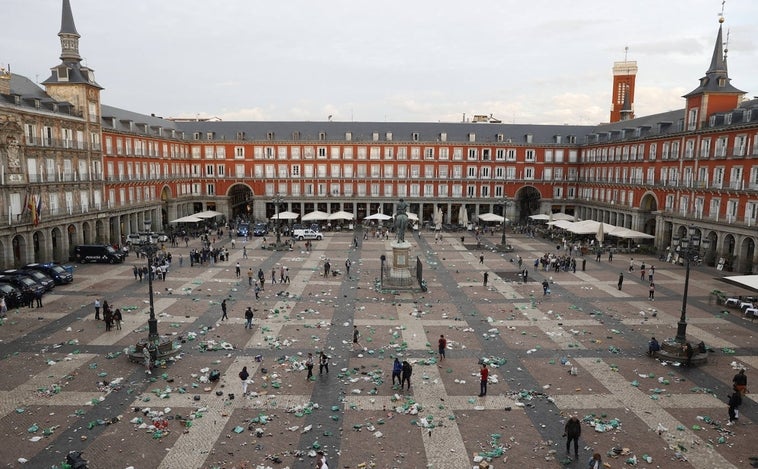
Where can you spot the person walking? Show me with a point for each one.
(441, 346)
(740, 382)
(309, 366)
(631, 264)
(3, 307)
(545, 287)
(486, 277)
(249, 318)
(735, 401)
(244, 376)
(261, 278)
(250, 276)
(642, 273)
(286, 275)
(406, 375)
(356, 335)
(237, 270)
(621, 280)
(108, 318)
(117, 318)
(348, 263)
(273, 275)
(97, 309)
(223, 310)
(327, 268)
(481, 258)
(572, 431)
(484, 374)
(321, 461)
(38, 298)
(323, 363)
(397, 369)
(244, 252)
(610, 255)
(689, 352)
(651, 292)
(135, 271)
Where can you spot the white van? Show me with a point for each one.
(306, 233)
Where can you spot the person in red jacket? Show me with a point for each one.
(484, 374)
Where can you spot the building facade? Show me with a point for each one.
(95, 173)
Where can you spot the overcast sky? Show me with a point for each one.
(535, 62)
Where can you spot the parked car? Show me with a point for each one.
(260, 229)
(243, 229)
(23, 283)
(12, 295)
(57, 272)
(307, 234)
(134, 239)
(44, 280)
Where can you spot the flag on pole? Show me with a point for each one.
(25, 207)
(38, 210)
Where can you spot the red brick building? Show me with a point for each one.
(657, 174)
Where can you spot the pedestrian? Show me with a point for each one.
(108, 318)
(545, 287)
(740, 382)
(596, 462)
(484, 374)
(642, 274)
(651, 273)
(597, 255)
(525, 275)
(146, 357)
(244, 252)
(261, 278)
(181, 260)
(651, 292)
(572, 431)
(327, 267)
(287, 274)
(406, 375)
(250, 276)
(653, 347)
(442, 345)
(273, 275)
(223, 310)
(135, 271)
(486, 277)
(97, 309)
(631, 264)
(237, 270)
(323, 363)
(281, 274)
(244, 376)
(3, 307)
(397, 369)
(309, 366)
(249, 318)
(257, 291)
(610, 255)
(117, 318)
(481, 258)
(38, 298)
(356, 335)
(321, 461)
(735, 401)
(348, 263)
(689, 352)
(621, 279)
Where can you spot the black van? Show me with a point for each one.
(12, 295)
(97, 253)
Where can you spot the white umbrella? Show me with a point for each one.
(600, 235)
(316, 215)
(540, 217)
(438, 218)
(378, 216)
(491, 217)
(562, 216)
(412, 216)
(187, 219)
(208, 214)
(285, 216)
(463, 216)
(341, 215)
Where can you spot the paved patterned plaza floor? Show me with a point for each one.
(56, 361)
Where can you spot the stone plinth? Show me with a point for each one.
(400, 270)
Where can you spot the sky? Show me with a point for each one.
(535, 62)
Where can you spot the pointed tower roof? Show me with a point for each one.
(67, 20)
(70, 70)
(716, 79)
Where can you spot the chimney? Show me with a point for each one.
(5, 80)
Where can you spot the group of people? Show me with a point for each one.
(110, 316)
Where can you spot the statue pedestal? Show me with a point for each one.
(400, 268)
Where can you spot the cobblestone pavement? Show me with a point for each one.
(68, 386)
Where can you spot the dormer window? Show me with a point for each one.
(414, 136)
(296, 135)
(210, 135)
(36, 103)
(240, 135)
(348, 136)
(270, 135)
(528, 138)
(722, 82)
(557, 139)
(499, 137)
(388, 136)
(321, 136)
(472, 137)
(375, 137)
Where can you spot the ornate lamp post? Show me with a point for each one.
(149, 248)
(689, 247)
(278, 199)
(505, 202)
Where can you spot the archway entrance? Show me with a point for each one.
(241, 201)
(648, 205)
(527, 203)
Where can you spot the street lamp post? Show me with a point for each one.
(278, 199)
(505, 203)
(149, 249)
(687, 246)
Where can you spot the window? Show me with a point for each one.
(210, 189)
(429, 153)
(414, 137)
(530, 155)
(740, 143)
(486, 152)
(443, 137)
(692, 119)
(389, 153)
(457, 154)
(415, 153)
(471, 172)
(548, 156)
(484, 172)
(281, 152)
(321, 152)
(444, 153)
(239, 170)
(528, 173)
(473, 154)
(362, 171)
(472, 137)
(347, 153)
(374, 153)
(689, 149)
